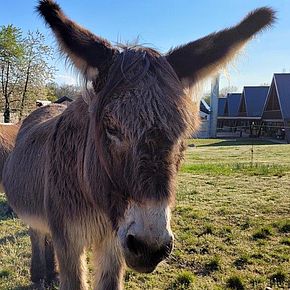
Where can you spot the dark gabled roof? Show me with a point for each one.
(63, 99)
(282, 83)
(255, 98)
(221, 106)
(204, 107)
(234, 100)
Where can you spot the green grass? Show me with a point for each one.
(236, 168)
(231, 223)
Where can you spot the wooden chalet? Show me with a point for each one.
(251, 109)
(228, 109)
(276, 113)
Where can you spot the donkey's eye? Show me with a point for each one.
(114, 134)
(112, 131)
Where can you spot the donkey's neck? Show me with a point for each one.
(78, 112)
(92, 179)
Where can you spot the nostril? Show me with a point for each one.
(134, 245)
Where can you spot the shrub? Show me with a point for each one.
(262, 233)
(241, 262)
(285, 241)
(183, 281)
(235, 283)
(285, 226)
(278, 278)
(208, 230)
(213, 264)
(4, 273)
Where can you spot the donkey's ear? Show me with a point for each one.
(198, 59)
(87, 52)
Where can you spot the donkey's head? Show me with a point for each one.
(141, 113)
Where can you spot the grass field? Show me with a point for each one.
(231, 223)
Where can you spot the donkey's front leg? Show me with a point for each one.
(70, 252)
(109, 265)
(38, 267)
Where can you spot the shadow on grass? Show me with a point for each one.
(39, 286)
(5, 211)
(12, 238)
(238, 142)
(31, 287)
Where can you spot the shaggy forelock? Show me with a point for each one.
(142, 91)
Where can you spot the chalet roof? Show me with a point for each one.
(204, 107)
(63, 99)
(282, 83)
(234, 100)
(255, 98)
(221, 106)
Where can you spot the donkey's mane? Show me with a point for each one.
(130, 66)
(156, 88)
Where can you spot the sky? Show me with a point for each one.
(165, 24)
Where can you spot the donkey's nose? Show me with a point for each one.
(140, 248)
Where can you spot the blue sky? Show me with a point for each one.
(165, 24)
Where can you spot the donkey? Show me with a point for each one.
(8, 134)
(101, 172)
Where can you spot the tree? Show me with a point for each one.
(57, 91)
(25, 70)
(224, 91)
(11, 53)
(206, 97)
(71, 91)
(51, 91)
(36, 70)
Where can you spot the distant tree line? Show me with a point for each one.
(26, 73)
(24, 70)
(56, 91)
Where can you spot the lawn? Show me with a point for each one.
(231, 223)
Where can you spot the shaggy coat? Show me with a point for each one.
(101, 172)
(8, 134)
